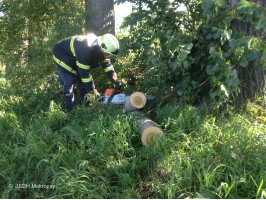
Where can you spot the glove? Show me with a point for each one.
(95, 92)
(118, 85)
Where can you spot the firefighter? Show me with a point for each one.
(75, 57)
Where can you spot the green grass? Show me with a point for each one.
(96, 151)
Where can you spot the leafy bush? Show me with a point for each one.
(29, 30)
(191, 53)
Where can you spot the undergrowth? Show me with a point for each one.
(96, 151)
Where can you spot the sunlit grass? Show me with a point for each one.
(96, 151)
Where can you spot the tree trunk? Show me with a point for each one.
(100, 17)
(252, 77)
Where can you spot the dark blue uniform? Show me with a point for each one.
(75, 57)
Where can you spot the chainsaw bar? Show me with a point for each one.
(116, 99)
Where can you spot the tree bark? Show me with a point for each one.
(100, 17)
(252, 77)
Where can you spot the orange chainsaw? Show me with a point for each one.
(113, 96)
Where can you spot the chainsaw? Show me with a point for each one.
(114, 96)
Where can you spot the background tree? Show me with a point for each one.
(100, 16)
(29, 30)
(252, 77)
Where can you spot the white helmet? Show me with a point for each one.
(108, 44)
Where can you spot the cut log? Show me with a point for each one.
(136, 101)
(149, 129)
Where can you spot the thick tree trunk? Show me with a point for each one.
(252, 78)
(100, 17)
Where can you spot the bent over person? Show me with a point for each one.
(75, 57)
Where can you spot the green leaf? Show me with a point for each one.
(183, 55)
(186, 64)
(155, 62)
(181, 87)
(212, 50)
(213, 94)
(209, 36)
(179, 92)
(262, 23)
(188, 46)
(194, 84)
(234, 73)
(252, 55)
(217, 34)
(210, 69)
(220, 3)
(233, 43)
(174, 65)
(243, 3)
(243, 62)
(207, 6)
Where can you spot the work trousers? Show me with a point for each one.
(67, 80)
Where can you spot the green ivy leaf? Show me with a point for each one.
(188, 46)
(233, 43)
(208, 70)
(155, 62)
(243, 3)
(262, 23)
(179, 92)
(186, 64)
(217, 34)
(252, 55)
(234, 73)
(212, 50)
(183, 55)
(243, 62)
(213, 94)
(220, 3)
(194, 84)
(181, 87)
(209, 36)
(174, 65)
(206, 6)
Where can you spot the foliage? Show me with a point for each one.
(96, 152)
(28, 31)
(191, 53)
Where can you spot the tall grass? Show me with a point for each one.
(96, 151)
